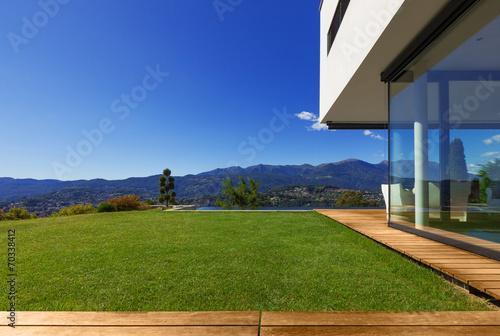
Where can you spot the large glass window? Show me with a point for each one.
(445, 134)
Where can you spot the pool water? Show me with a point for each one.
(273, 209)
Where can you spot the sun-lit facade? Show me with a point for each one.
(429, 72)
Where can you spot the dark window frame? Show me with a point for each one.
(336, 22)
(444, 20)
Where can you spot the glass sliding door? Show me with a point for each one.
(444, 127)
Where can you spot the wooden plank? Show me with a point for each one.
(464, 266)
(414, 239)
(430, 249)
(380, 331)
(409, 244)
(494, 292)
(482, 277)
(486, 284)
(466, 271)
(478, 260)
(451, 254)
(129, 331)
(228, 318)
(465, 318)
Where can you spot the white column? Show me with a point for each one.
(421, 152)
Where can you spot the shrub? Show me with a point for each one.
(18, 213)
(353, 199)
(150, 202)
(144, 206)
(78, 209)
(128, 203)
(106, 207)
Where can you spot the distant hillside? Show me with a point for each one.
(350, 174)
(285, 196)
(319, 196)
(313, 196)
(13, 189)
(404, 171)
(44, 205)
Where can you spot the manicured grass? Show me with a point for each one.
(157, 261)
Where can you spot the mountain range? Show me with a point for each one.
(350, 174)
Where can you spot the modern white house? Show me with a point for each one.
(428, 71)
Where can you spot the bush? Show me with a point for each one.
(78, 209)
(354, 199)
(144, 206)
(128, 203)
(18, 213)
(106, 207)
(150, 202)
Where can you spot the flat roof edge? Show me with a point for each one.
(356, 126)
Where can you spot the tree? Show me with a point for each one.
(458, 166)
(166, 187)
(354, 199)
(492, 169)
(490, 178)
(484, 183)
(245, 196)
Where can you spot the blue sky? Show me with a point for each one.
(120, 88)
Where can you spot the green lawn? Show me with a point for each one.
(157, 261)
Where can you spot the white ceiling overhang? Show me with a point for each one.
(364, 98)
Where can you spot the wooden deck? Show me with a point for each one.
(478, 272)
(380, 323)
(254, 323)
(134, 323)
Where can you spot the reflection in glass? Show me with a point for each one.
(445, 134)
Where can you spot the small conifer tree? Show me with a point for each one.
(166, 187)
(458, 166)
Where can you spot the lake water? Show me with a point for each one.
(273, 209)
(486, 235)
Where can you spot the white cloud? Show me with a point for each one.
(473, 168)
(373, 135)
(492, 140)
(308, 116)
(495, 155)
(488, 141)
(318, 127)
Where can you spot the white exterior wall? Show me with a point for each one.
(372, 34)
(363, 23)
